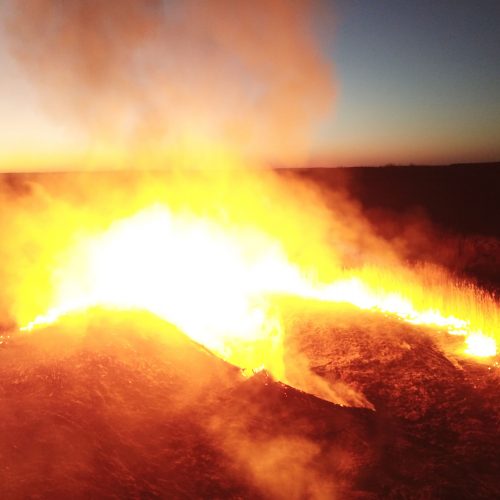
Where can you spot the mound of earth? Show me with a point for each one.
(122, 405)
(447, 406)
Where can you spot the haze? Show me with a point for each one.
(367, 83)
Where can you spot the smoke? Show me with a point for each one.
(162, 78)
(282, 468)
(416, 238)
(300, 375)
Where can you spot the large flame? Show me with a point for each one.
(217, 281)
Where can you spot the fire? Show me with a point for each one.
(211, 283)
(480, 345)
(217, 281)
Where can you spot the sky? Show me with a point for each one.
(418, 82)
(415, 83)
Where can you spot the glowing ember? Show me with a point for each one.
(217, 284)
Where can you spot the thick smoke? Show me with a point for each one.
(165, 77)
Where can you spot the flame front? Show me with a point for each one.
(211, 283)
(217, 283)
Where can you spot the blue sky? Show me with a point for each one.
(419, 81)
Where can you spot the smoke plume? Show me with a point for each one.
(158, 77)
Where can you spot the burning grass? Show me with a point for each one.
(220, 256)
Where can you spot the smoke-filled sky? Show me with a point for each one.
(85, 82)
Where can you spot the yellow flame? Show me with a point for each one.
(480, 345)
(216, 283)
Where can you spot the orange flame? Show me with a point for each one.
(216, 283)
